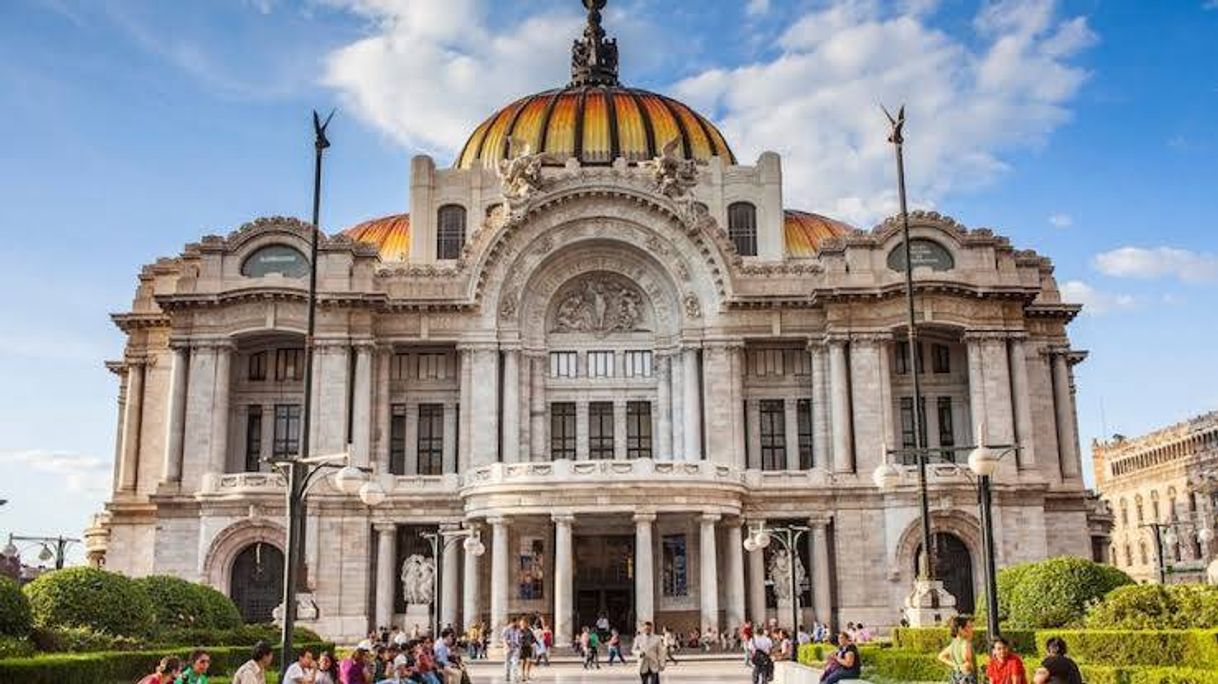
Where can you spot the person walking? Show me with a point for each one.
(1057, 667)
(760, 658)
(958, 655)
(528, 647)
(254, 669)
(1005, 667)
(670, 646)
(166, 671)
(511, 650)
(615, 647)
(650, 651)
(196, 668)
(844, 663)
(541, 649)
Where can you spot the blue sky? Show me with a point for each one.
(1081, 128)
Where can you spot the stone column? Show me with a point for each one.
(499, 576)
(839, 407)
(791, 427)
(199, 393)
(132, 417)
(511, 406)
(619, 430)
(449, 447)
(465, 423)
(756, 588)
(386, 557)
(450, 587)
(411, 456)
(564, 601)
(384, 365)
(361, 407)
(722, 395)
(676, 374)
(819, 572)
(470, 588)
(692, 405)
(734, 582)
(989, 389)
(484, 406)
(708, 572)
(175, 418)
(821, 430)
(664, 450)
(740, 433)
(583, 446)
(1022, 403)
(752, 417)
(218, 459)
(539, 449)
(524, 418)
(644, 569)
(868, 391)
(1063, 405)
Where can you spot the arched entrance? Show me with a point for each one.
(256, 581)
(953, 567)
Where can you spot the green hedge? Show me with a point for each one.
(933, 639)
(1056, 592)
(15, 619)
(905, 666)
(91, 668)
(1008, 580)
(89, 597)
(15, 647)
(1164, 648)
(177, 603)
(1155, 606)
(84, 640)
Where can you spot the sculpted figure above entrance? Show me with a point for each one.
(599, 303)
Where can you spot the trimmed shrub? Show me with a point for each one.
(15, 647)
(222, 612)
(83, 640)
(1171, 675)
(933, 639)
(1057, 592)
(239, 636)
(92, 598)
(1008, 580)
(178, 603)
(15, 617)
(1161, 648)
(813, 654)
(1154, 606)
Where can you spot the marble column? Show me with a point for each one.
(619, 430)
(1063, 406)
(384, 366)
(199, 393)
(361, 407)
(132, 417)
(708, 572)
(511, 406)
(734, 582)
(218, 459)
(820, 571)
(752, 417)
(583, 446)
(470, 588)
(644, 569)
(821, 430)
(868, 394)
(722, 396)
(500, 576)
(989, 389)
(739, 434)
(664, 450)
(448, 449)
(692, 405)
(386, 558)
(791, 428)
(756, 588)
(564, 600)
(839, 407)
(1026, 457)
(538, 447)
(450, 587)
(484, 406)
(175, 418)
(676, 377)
(464, 425)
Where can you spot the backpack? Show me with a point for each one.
(527, 638)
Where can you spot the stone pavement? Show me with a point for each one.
(704, 671)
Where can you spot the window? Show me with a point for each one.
(1138, 504)
(1128, 556)
(674, 565)
(941, 358)
(257, 366)
(431, 365)
(767, 362)
(798, 361)
(773, 435)
(908, 438)
(286, 441)
(1142, 553)
(1154, 504)
(803, 415)
(638, 429)
(397, 439)
(637, 364)
(600, 364)
(563, 364)
(253, 439)
(450, 231)
(947, 436)
(282, 259)
(600, 430)
(431, 439)
(562, 430)
(742, 227)
(289, 364)
(901, 360)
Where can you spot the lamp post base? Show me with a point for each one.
(306, 609)
(929, 605)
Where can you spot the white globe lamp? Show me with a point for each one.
(372, 493)
(349, 479)
(886, 476)
(983, 461)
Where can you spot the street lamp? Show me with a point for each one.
(788, 536)
(439, 540)
(45, 553)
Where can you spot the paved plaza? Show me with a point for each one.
(707, 672)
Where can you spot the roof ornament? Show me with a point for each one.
(593, 58)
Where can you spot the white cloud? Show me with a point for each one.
(1159, 262)
(80, 473)
(1061, 220)
(757, 8)
(1095, 302)
(1210, 5)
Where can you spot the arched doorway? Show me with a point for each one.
(953, 567)
(256, 581)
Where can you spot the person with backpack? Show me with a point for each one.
(528, 643)
(759, 657)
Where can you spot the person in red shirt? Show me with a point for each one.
(1004, 667)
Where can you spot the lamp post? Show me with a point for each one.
(439, 540)
(788, 536)
(59, 554)
(1166, 535)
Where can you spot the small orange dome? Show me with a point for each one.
(390, 234)
(805, 231)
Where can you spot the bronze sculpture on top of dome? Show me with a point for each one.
(593, 58)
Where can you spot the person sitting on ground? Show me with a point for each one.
(254, 669)
(353, 669)
(196, 668)
(327, 669)
(1004, 667)
(1057, 667)
(166, 671)
(844, 663)
(302, 671)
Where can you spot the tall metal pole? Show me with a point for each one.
(987, 541)
(1159, 552)
(794, 588)
(927, 571)
(296, 470)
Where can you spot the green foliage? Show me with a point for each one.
(89, 597)
(15, 647)
(238, 636)
(1008, 581)
(1172, 675)
(1154, 606)
(813, 654)
(1057, 592)
(933, 639)
(178, 603)
(83, 640)
(1182, 648)
(905, 666)
(15, 617)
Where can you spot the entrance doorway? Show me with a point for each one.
(953, 567)
(256, 581)
(604, 581)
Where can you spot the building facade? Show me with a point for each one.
(1162, 489)
(602, 343)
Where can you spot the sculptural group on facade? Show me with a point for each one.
(780, 574)
(599, 306)
(418, 580)
(675, 177)
(520, 175)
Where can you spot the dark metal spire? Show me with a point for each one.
(593, 58)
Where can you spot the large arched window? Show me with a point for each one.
(450, 231)
(1137, 501)
(742, 227)
(1154, 504)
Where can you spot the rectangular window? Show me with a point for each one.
(431, 439)
(600, 364)
(773, 435)
(562, 430)
(908, 437)
(767, 362)
(941, 358)
(257, 366)
(289, 364)
(803, 414)
(798, 361)
(947, 434)
(674, 565)
(399, 369)
(431, 365)
(600, 430)
(638, 429)
(564, 364)
(253, 439)
(286, 441)
(637, 364)
(901, 360)
(397, 439)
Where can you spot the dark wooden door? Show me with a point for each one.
(256, 582)
(953, 567)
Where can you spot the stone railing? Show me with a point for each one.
(788, 478)
(564, 471)
(421, 484)
(221, 484)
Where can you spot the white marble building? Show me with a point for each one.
(608, 375)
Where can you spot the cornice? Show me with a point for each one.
(131, 321)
